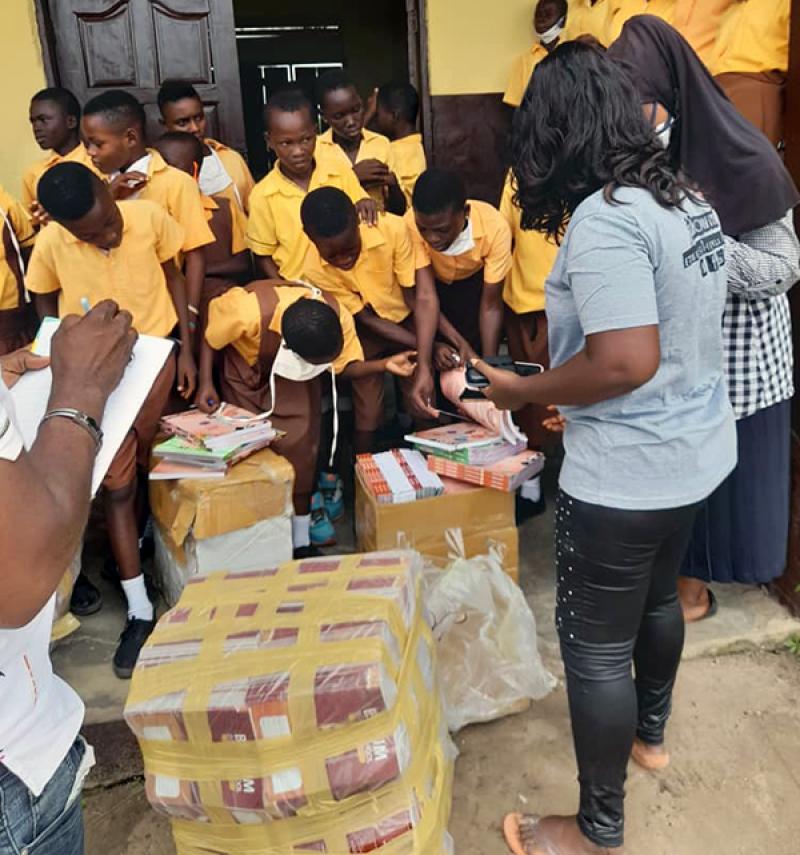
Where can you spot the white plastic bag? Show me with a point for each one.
(488, 659)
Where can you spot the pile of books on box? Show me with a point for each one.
(398, 476)
(206, 446)
(469, 452)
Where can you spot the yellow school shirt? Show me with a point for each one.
(622, 10)
(492, 250)
(384, 268)
(238, 222)
(373, 147)
(131, 274)
(235, 319)
(521, 72)
(409, 162)
(17, 219)
(533, 259)
(585, 19)
(699, 22)
(236, 166)
(31, 176)
(274, 227)
(754, 38)
(179, 195)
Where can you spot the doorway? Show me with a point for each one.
(278, 44)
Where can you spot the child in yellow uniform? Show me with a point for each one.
(228, 260)
(275, 232)
(462, 250)
(96, 249)
(277, 339)
(699, 22)
(55, 117)
(223, 171)
(752, 62)
(549, 20)
(370, 271)
(367, 153)
(396, 111)
(113, 126)
(525, 317)
(18, 319)
(621, 10)
(588, 18)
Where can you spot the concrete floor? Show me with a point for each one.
(734, 785)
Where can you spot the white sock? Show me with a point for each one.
(139, 605)
(532, 490)
(301, 531)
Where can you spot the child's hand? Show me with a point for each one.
(556, 423)
(402, 364)
(39, 217)
(187, 373)
(126, 184)
(445, 357)
(207, 400)
(372, 173)
(367, 212)
(371, 107)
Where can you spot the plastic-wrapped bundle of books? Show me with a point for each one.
(295, 710)
(398, 476)
(469, 452)
(206, 446)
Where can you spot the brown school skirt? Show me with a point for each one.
(135, 448)
(527, 342)
(369, 391)
(460, 303)
(298, 411)
(17, 328)
(760, 98)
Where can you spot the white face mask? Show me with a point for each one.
(549, 36)
(290, 366)
(463, 243)
(213, 176)
(663, 132)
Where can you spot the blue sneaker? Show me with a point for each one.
(331, 486)
(322, 530)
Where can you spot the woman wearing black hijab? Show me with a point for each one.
(742, 532)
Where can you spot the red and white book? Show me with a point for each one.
(506, 475)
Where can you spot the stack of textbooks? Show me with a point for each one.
(398, 476)
(206, 446)
(469, 452)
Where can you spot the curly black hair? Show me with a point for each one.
(581, 129)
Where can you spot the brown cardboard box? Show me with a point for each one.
(258, 488)
(475, 516)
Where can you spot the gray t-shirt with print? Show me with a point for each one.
(672, 441)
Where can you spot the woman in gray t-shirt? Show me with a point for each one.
(634, 303)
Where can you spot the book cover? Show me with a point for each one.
(166, 471)
(506, 475)
(229, 427)
(455, 437)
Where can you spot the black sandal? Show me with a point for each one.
(86, 599)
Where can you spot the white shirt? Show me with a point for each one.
(40, 715)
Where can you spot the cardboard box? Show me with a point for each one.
(464, 522)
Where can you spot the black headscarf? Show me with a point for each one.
(730, 160)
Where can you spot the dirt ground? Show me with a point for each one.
(733, 787)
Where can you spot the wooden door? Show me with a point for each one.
(138, 44)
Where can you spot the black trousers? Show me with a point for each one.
(617, 607)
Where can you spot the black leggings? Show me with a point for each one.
(617, 604)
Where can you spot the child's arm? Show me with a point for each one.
(266, 267)
(385, 329)
(401, 365)
(187, 370)
(194, 273)
(206, 398)
(491, 317)
(394, 198)
(46, 304)
(426, 321)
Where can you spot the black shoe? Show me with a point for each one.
(86, 599)
(303, 552)
(527, 510)
(131, 642)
